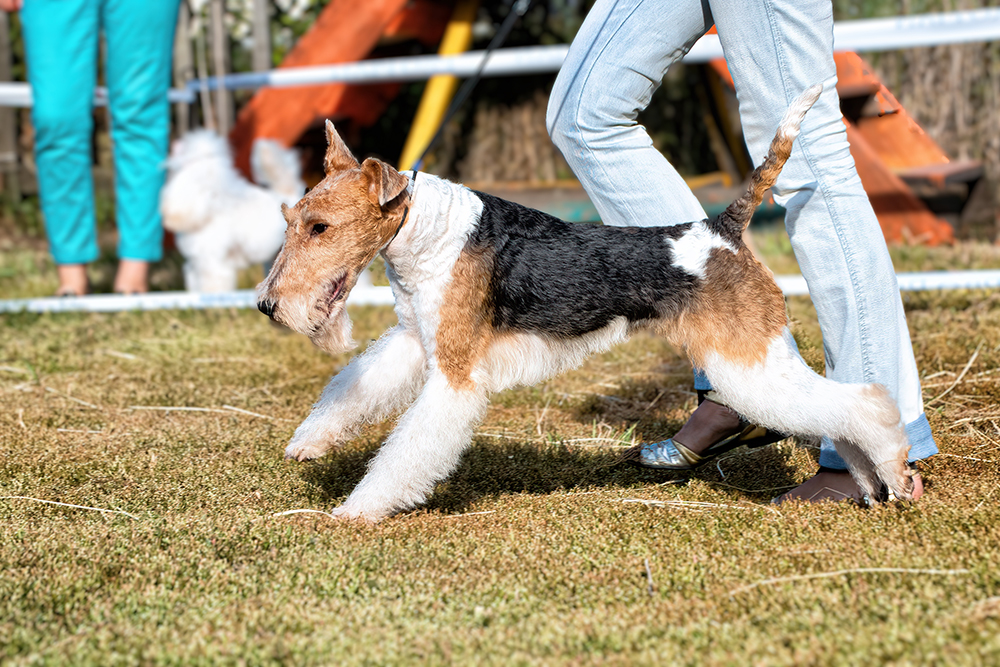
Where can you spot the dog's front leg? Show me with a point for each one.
(375, 385)
(423, 449)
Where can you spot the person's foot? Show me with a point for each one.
(712, 430)
(132, 277)
(72, 280)
(835, 485)
(707, 425)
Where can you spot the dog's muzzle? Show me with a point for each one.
(267, 306)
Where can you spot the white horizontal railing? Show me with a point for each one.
(367, 295)
(116, 303)
(913, 282)
(978, 25)
(18, 94)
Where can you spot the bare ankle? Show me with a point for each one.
(72, 279)
(708, 424)
(132, 276)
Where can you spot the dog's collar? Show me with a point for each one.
(406, 212)
(402, 222)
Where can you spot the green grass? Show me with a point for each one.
(526, 555)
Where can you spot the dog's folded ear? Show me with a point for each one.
(384, 182)
(338, 155)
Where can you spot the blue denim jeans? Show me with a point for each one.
(61, 40)
(775, 49)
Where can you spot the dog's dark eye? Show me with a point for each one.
(317, 229)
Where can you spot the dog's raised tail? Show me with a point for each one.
(737, 215)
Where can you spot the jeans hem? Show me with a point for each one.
(918, 431)
(83, 258)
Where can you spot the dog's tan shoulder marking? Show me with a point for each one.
(465, 329)
(737, 312)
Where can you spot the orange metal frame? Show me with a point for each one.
(887, 144)
(345, 31)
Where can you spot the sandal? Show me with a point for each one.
(672, 455)
(883, 495)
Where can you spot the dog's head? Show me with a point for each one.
(332, 235)
(199, 168)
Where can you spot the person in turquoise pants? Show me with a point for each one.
(61, 46)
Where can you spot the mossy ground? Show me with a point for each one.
(532, 552)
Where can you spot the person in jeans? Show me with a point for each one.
(61, 46)
(775, 49)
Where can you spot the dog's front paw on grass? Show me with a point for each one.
(306, 450)
(345, 514)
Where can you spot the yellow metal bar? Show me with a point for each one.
(440, 89)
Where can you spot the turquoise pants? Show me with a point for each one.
(61, 45)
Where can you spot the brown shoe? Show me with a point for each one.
(836, 485)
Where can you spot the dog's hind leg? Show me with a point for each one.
(423, 449)
(783, 394)
(375, 385)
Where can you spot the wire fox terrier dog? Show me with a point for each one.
(223, 222)
(492, 295)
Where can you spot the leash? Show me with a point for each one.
(519, 8)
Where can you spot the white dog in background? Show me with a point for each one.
(224, 223)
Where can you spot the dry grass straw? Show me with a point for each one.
(79, 507)
(841, 573)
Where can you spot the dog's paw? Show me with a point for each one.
(301, 449)
(895, 479)
(346, 513)
(313, 438)
(371, 507)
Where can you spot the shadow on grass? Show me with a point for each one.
(492, 468)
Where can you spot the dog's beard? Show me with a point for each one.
(334, 336)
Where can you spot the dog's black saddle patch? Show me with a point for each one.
(565, 279)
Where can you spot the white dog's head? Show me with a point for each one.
(199, 168)
(201, 178)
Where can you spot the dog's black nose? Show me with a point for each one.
(267, 307)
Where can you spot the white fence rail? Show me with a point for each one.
(898, 32)
(366, 295)
(116, 303)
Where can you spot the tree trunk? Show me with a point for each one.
(9, 167)
(261, 35)
(220, 65)
(183, 66)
